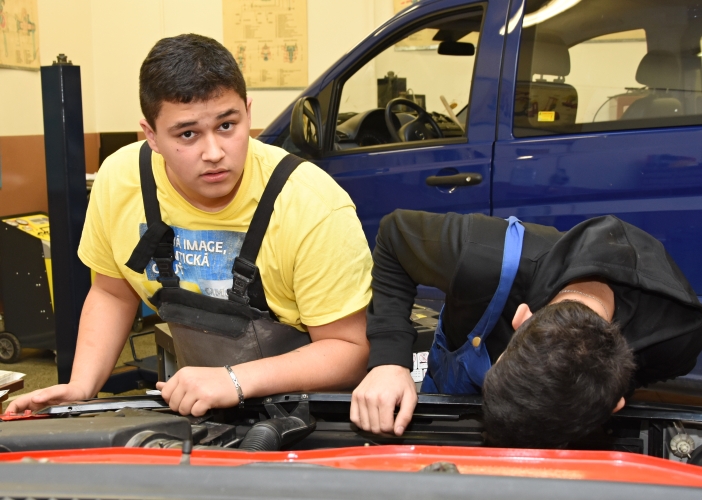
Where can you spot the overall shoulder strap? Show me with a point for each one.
(514, 241)
(245, 269)
(148, 186)
(157, 242)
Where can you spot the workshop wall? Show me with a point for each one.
(109, 39)
(66, 27)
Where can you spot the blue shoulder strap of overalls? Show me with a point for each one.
(463, 371)
(514, 239)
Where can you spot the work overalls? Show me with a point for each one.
(209, 331)
(463, 371)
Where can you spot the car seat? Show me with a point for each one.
(659, 71)
(541, 103)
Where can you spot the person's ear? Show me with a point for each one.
(523, 313)
(150, 135)
(620, 405)
(249, 100)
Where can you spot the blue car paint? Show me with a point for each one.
(650, 178)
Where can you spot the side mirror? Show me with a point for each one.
(448, 48)
(306, 126)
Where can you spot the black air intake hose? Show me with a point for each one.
(281, 430)
(261, 437)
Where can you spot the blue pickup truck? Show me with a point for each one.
(551, 110)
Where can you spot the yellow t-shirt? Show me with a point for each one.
(314, 261)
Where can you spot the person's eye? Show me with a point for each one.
(188, 134)
(227, 126)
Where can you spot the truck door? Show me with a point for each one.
(601, 113)
(418, 104)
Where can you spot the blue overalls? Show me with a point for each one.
(463, 370)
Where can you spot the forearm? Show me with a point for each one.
(412, 248)
(105, 324)
(328, 364)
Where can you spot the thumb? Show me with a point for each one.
(404, 415)
(49, 394)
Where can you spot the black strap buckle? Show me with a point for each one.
(164, 259)
(244, 274)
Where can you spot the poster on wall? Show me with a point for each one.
(268, 39)
(422, 40)
(19, 34)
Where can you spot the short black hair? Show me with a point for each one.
(186, 68)
(560, 377)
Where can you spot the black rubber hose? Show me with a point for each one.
(261, 437)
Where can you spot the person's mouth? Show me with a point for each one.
(215, 175)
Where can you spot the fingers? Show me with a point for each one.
(168, 387)
(20, 404)
(186, 403)
(373, 409)
(51, 395)
(40, 398)
(362, 421)
(199, 408)
(381, 411)
(354, 414)
(182, 401)
(374, 401)
(404, 416)
(195, 390)
(386, 412)
(172, 392)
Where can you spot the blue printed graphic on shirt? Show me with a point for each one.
(204, 257)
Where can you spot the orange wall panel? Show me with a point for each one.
(23, 175)
(24, 172)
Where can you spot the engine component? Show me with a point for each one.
(681, 445)
(282, 429)
(88, 432)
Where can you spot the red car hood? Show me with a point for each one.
(556, 464)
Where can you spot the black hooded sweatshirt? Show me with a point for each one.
(656, 308)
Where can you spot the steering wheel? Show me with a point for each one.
(414, 130)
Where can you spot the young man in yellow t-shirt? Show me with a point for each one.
(314, 260)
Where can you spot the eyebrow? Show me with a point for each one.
(223, 114)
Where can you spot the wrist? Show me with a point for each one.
(237, 385)
(85, 391)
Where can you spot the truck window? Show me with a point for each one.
(589, 65)
(429, 70)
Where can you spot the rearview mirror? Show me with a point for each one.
(306, 126)
(448, 48)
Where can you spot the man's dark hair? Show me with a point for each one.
(186, 68)
(560, 377)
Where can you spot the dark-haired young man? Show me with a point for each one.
(612, 312)
(314, 261)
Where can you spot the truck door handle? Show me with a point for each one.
(466, 179)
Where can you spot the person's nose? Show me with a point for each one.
(212, 151)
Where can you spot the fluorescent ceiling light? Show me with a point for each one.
(514, 20)
(551, 9)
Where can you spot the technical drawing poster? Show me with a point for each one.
(268, 39)
(19, 34)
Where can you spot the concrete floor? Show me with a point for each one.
(40, 367)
